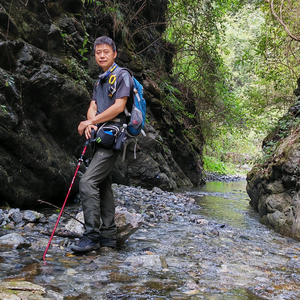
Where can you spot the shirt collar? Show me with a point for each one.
(104, 75)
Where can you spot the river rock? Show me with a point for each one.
(54, 295)
(39, 244)
(1, 216)
(17, 217)
(21, 290)
(127, 223)
(74, 226)
(148, 261)
(31, 216)
(13, 239)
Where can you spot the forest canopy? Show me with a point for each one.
(241, 61)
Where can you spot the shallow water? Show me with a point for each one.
(228, 203)
(227, 254)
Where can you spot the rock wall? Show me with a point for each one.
(47, 72)
(274, 184)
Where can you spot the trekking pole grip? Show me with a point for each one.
(90, 139)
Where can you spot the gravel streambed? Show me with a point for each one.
(204, 243)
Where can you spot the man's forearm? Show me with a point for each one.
(91, 113)
(109, 113)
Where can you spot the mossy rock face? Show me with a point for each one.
(47, 74)
(124, 55)
(136, 64)
(273, 185)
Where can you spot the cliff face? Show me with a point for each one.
(47, 72)
(274, 184)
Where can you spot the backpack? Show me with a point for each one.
(138, 111)
(137, 114)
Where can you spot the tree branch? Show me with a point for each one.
(281, 21)
(63, 211)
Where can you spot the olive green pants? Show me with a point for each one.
(97, 196)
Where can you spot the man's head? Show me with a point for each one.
(105, 40)
(105, 52)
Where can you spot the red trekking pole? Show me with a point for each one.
(61, 211)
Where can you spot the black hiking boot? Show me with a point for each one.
(85, 244)
(107, 242)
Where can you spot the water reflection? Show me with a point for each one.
(226, 202)
(225, 187)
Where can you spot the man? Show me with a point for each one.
(95, 186)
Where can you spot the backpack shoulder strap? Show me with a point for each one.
(113, 87)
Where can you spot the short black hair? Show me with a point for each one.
(105, 40)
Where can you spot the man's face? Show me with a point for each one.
(105, 56)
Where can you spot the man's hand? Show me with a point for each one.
(88, 130)
(86, 127)
(108, 114)
(82, 125)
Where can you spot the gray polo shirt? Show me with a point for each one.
(101, 91)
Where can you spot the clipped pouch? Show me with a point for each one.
(105, 136)
(120, 141)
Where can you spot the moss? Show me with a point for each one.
(136, 64)
(75, 71)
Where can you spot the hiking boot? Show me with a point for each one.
(85, 244)
(106, 242)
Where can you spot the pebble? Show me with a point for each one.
(154, 206)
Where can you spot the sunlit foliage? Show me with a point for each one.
(241, 60)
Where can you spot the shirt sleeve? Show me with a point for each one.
(94, 98)
(124, 84)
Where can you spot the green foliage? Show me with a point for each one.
(76, 71)
(242, 66)
(84, 48)
(212, 164)
(97, 2)
(169, 95)
(63, 35)
(235, 147)
(196, 28)
(192, 134)
(3, 107)
(215, 165)
(172, 97)
(275, 67)
(286, 126)
(107, 7)
(267, 152)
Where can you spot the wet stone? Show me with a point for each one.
(12, 239)
(17, 217)
(53, 218)
(120, 277)
(31, 216)
(1, 216)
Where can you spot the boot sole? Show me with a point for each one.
(81, 250)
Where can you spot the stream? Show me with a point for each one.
(221, 252)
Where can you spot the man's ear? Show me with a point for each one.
(115, 54)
